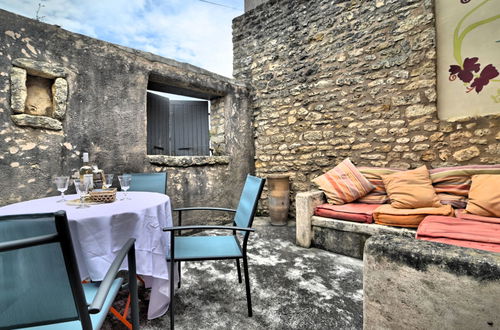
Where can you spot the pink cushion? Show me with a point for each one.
(456, 231)
(468, 216)
(357, 212)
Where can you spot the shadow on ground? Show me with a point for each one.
(292, 288)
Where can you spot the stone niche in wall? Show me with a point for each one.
(39, 93)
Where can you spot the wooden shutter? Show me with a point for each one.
(189, 128)
(158, 124)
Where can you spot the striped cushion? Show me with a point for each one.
(374, 175)
(343, 184)
(452, 184)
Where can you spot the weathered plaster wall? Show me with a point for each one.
(251, 4)
(106, 116)
(414, 284)
(336, 79)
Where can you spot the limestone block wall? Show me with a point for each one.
(336, 79)
(105, 114)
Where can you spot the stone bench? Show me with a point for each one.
(338, 236)
(415, 284)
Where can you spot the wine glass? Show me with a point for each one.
(125, 184)
(62, 185)
(109, 180)
(82, 188)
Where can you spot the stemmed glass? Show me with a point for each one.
(109, 180)
(62, 185)
(82, 188)
(125, 184)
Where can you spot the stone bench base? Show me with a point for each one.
(338, 236)
(347, 237)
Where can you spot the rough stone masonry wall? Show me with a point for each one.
(336, 79)
(105, 115)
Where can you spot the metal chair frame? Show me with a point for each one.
(235, 230)
(63, 237)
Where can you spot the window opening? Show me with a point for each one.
(177, 125)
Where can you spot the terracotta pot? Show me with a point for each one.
(279, 198)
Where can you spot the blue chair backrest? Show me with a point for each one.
(152, 182)
(248, 201)
(34, 282)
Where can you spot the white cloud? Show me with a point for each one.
(190, 31)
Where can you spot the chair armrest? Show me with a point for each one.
(207, 228)
(96, 305)
(27, 242)
(203, 208)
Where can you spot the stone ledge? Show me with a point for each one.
(187, 161)
(420, 255)
(415, 284)
(37, 122)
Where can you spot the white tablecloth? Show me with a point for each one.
(98, 232)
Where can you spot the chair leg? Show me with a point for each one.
(247, 285)
(172, 294)
(132, 285)
(239, 270)
(179, 270)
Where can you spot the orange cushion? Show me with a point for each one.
(411, 189)
(343, 184)
(484, 195)
(390, 216)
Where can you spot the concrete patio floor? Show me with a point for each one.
(292, 288)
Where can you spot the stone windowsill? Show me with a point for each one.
(37, 122)
(187, 161)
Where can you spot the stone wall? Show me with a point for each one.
(336, 79)
(105, 114)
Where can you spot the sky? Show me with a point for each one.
(197, 32)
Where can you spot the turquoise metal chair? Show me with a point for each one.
(190, 248)
(40, 283)
(152, 182)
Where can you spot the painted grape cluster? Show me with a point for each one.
(469, 70)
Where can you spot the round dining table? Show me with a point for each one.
(100, 230)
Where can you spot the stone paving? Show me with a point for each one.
(292, 288)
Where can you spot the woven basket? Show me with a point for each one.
(103, 195)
